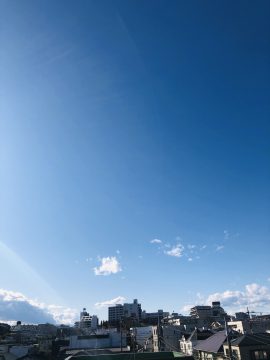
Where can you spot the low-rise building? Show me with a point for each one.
(250, 347)
(250, 326)
(211, 348)
(187, 342)
(110, 339)
(153, 318)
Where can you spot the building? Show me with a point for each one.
(201, 312)
(115, 313)
(88, 321)
(250, 326)
(133, 310)
(214, 312)
(209, 316)
(110, 339)
(211, 348)
(153, 318)
(241, 316)
(128, 310)
(142, 336)
(250, 347)
(187, 343)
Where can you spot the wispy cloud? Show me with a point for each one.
(176, 251)
(112, 302)
(108, 266)
(15, 305)
(156, 241)
(219, 247)
(230, 236)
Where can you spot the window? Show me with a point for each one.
(260, 355)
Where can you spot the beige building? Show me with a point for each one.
(252, 326)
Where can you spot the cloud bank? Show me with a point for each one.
(15, 306)
(254, 296)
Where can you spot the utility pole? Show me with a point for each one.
(121, 335)
(228, 338)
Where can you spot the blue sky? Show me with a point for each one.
(128, 121)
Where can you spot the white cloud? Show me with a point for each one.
(109, 265)
(255, 296)
(203, 247)
(191, 247)
(186, 308)
(219, 247)
(112, 302)
(118, 252)
(155, 241)
(176, 251)
(226, 234)
(190, 259)
(16, 306)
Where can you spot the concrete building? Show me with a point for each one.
(127, 310)
(153, 318)
(111, 339)
(214, 312)
(115, 313)
(201, 312)
(170, 336)
(143, 337)
(241, 316)
(88, 321)
(132, 310)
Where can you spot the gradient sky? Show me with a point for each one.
(122, 122)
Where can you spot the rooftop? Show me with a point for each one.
(252, 339)
(213, 343)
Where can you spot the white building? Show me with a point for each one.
(110, 339)
(88, 321)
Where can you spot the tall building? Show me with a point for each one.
(127, 310)
(88, 321)
(115, 313)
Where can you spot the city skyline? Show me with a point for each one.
(134, 144)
